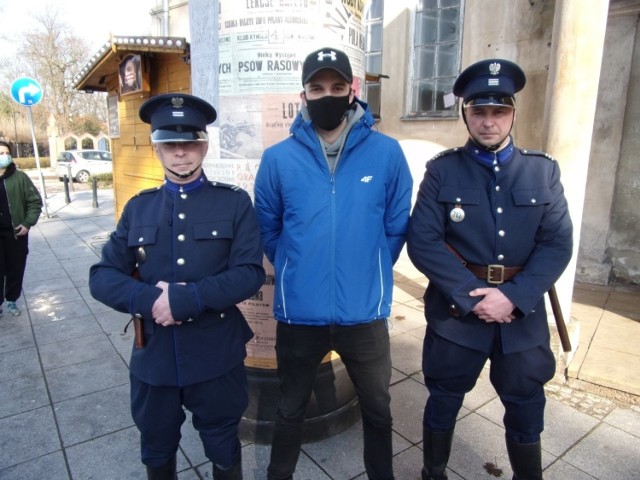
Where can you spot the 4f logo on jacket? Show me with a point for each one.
(366, 179)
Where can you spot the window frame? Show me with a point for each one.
(369, 84)
(453, 112)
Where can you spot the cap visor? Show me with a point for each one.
(491, 101)
(166, 136)
(339, 72)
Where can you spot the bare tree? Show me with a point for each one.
(51, 54)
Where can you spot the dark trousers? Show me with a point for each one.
(216, 406)
(450, 371)
(365, 352)
(13, 261)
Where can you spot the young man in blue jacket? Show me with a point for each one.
(491, 231)
(333, 202)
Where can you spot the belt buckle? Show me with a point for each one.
(491, 269)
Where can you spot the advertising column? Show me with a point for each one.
(262, 46)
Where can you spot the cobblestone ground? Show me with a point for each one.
(591, 399)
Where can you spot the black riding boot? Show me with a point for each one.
(526, 460)
(165, 472)
(232, 473)
(436, 447)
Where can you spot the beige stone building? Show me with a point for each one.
(601, 168)
(581, 103)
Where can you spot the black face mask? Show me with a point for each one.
(327, 112)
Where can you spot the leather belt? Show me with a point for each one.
(494, 274)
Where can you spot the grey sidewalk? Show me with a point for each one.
(64, 405)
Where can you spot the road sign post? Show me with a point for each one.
(28, 92)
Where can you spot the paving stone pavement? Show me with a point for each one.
(64, 406)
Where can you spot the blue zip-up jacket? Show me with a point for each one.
(333, 238)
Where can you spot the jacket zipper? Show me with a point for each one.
(284, 300)
(381, 282)
(333, 245)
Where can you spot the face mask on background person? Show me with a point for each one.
(5, 160)
(327, 112)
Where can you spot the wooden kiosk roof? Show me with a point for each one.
(95, 75)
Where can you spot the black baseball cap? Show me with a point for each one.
(490, 82)
(177, 117)
(327, 58)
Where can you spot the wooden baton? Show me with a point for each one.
(138, 323)
(557, 314)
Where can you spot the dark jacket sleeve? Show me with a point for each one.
(111, 281)
(33, 203)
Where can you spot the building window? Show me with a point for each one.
(373, 55)
(435, 58)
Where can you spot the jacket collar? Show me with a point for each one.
(485, 157)
(10, 170)
(185, 187)
(304, 132)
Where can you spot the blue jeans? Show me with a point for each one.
(365, 352)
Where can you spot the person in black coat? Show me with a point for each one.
(195, 248)
(491, 231)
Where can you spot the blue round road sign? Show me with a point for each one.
(26, 91)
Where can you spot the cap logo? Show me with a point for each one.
(177, 102)
(332, 55)
(494, 68)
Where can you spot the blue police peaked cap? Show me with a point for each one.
(490, 82)
(177, 117)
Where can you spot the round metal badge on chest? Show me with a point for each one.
(457, 214)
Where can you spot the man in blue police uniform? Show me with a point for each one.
(491, 231)
(195, 248)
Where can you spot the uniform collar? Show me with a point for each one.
(485, 157)
(185, 187)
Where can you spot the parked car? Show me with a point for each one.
(84, 164)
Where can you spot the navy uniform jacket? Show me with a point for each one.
(206, 236)
(516, 215)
